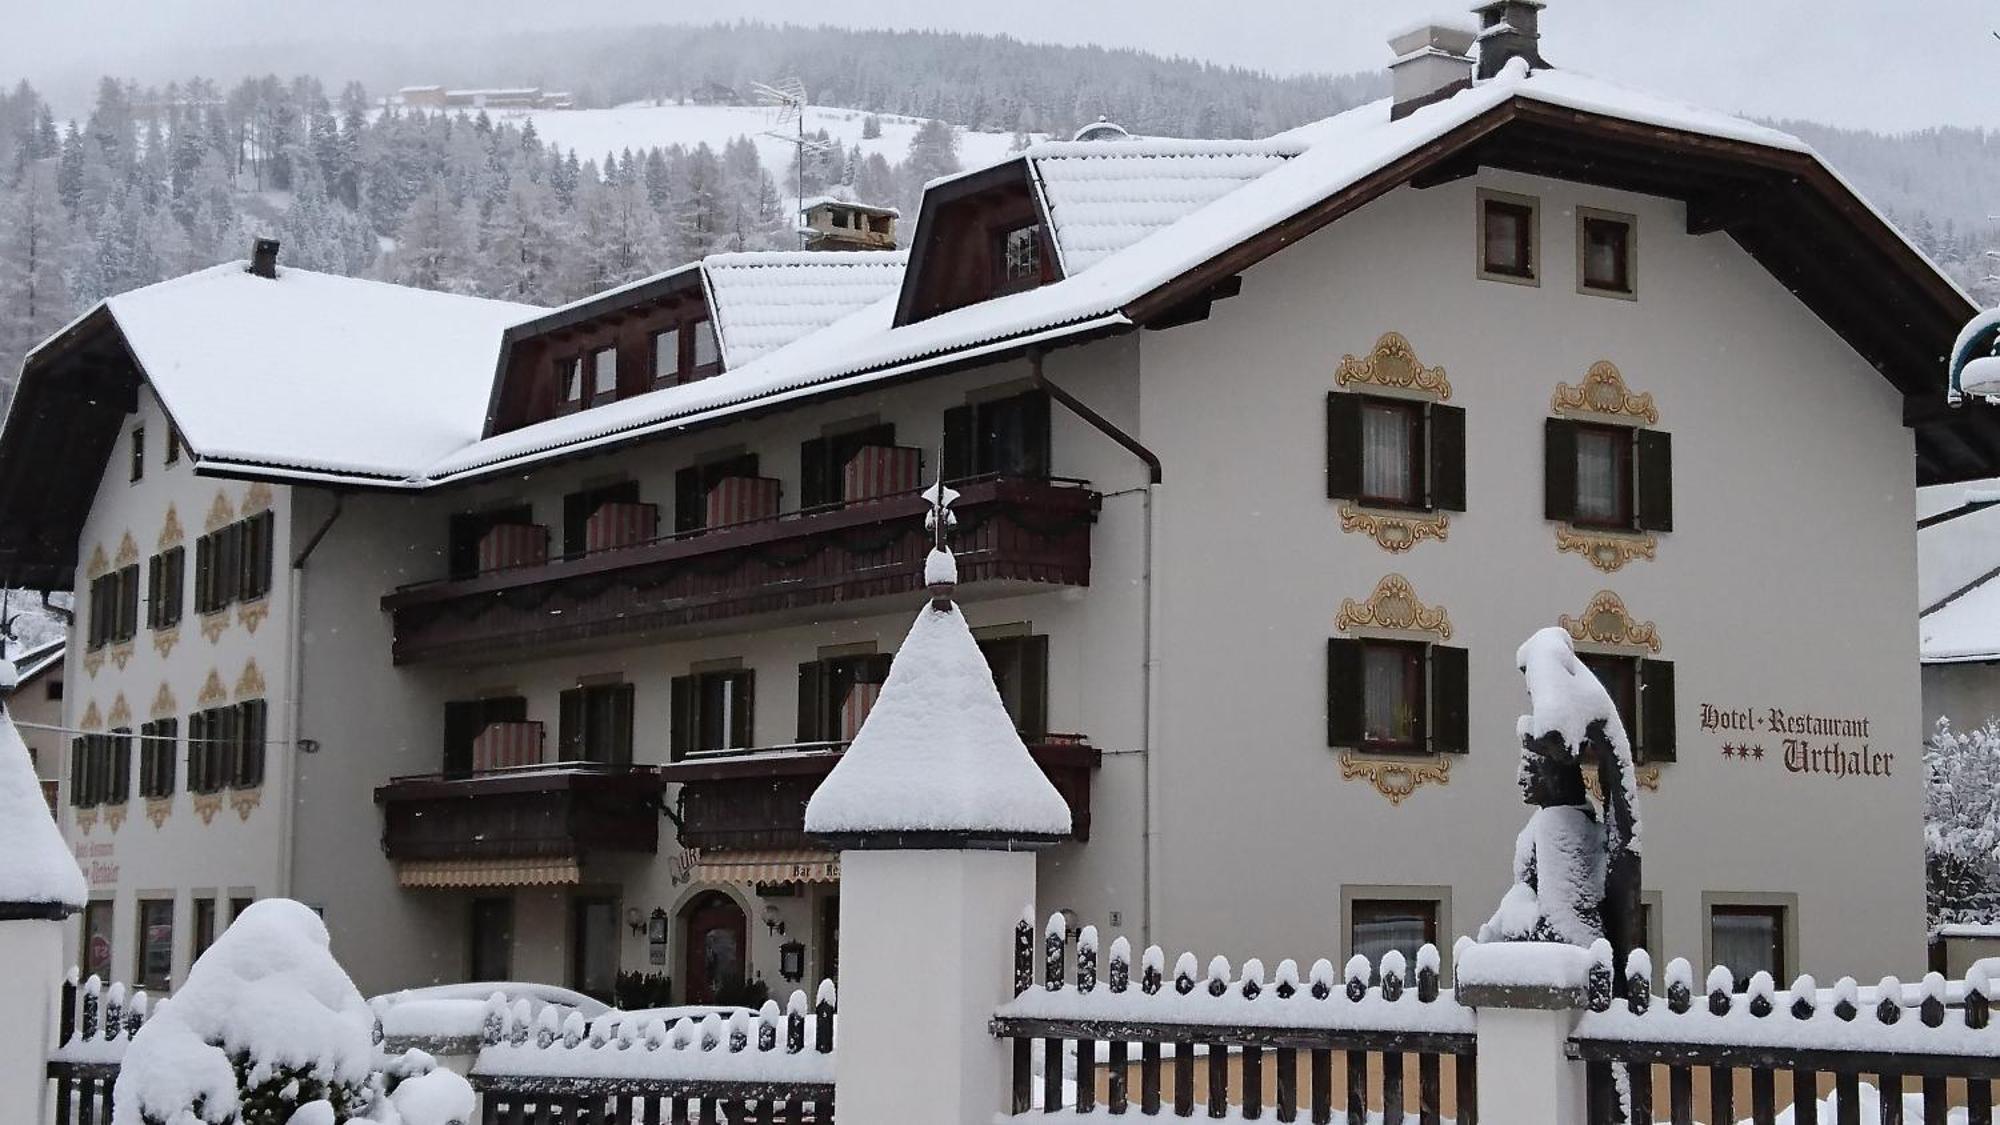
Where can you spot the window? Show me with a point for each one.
(204, 926)
(465, 719)
(53, 690)
(578, 507)
(1017, 258)
(94, 955)
(691, 486)
(491, 927)
(173, 456)
(1606, 245)
(156, 944)
(667, 356)
(1643, 692)
(569, 384)
(255, 543)
(468, 529)
(836, 694)
(1377, 925)
(1396, 697)
(685, 352)
(1007, 436)
(1395, 453)
(1021, 673)
(1748, 939)
(823, 461)
(594, 946)
(248, 755)
(226, 747)
(166, 576)
(1508, 232)
(1610, 477)
(100, 769)
(707, 350)
(157, 754)
(237, 906)
(711, 710)
(114, 607)
(138, 452)
(596, 724)
(603, 376)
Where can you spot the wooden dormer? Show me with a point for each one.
(979, 236)
(642, 337)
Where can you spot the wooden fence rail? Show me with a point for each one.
(1216, 1045)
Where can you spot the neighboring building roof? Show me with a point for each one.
(1965, 629)
(764, 301)
(31, 664)
(850, 204)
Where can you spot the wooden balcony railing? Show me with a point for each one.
(559, 810)
(1010, 529)
(756, 799)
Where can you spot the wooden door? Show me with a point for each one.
(715, 941)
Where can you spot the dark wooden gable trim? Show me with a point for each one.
(951, 233)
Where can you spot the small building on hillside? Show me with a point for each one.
(497, 99)
(844, 224)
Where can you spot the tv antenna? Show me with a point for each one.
(788, 97)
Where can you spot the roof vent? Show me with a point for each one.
(1102, 129)
(1509, 29)
(264, 257)
(1433, 62)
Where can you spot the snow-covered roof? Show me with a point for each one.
(1957, 559)
(763, 301)
(34, 662)
(39, 869)
(938, 752)
(316, 372)
(1963, 630)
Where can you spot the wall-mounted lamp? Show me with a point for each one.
(634, 920)
(773, 921)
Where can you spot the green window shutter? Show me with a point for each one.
(76, 755)
(121, 767)
(812, 702)
(1344, 726)
(252, 741)
(154, 590)
(680, 717)
(1444, 428)
(1558, 470)
(1034, 716)
(1343, 446)
(1656, 712)
(169, 731)
(742, 709)
(624, 700)
(570, 726)
(1653, 464)
(1450, 700)
(960, 443)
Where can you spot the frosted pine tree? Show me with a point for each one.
(1962, 823)
(34, 245)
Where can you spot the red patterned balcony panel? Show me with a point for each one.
(513, 544)
(621, 525)
(881, 470)
(736, 500)
(502, 745)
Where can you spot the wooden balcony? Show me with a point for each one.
(1012, 533)
(756, 799)
(557, 811)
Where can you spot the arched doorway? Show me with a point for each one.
(715, 941)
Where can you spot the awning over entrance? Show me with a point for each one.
(788, 865)
(538, 872)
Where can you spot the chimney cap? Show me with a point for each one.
(1437, 35)
(264, 257)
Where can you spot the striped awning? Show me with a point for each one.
(800, 865)
(538, 872)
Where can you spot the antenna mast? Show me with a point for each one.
(788, 97)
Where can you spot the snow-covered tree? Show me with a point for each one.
(1962, 823)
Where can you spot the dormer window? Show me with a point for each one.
(1017, 258)
(685, 352)
(569, 376)
(603, 376)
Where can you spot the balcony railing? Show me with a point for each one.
(741, 800)
(562, 810)
(1009, 529)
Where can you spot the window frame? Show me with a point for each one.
(580, 711)
(569, 383)
(1625, 470)
(1416, 423)
(1586, 217)
(1020, 665)
(204, 925)
(1624, 694)
(143, 948)
(1416, 695)
(1436, 898)
(1003, 280)
(166, 582)
(138, 466)
(159, 751)
(596, 395)
(688, 367)
(173, 450)
(94, 911)
(1528, 244)
(1783, 906)
(473, 931)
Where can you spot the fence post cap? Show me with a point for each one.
(1536, 976)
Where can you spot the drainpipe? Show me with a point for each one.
(295, 659)
(1149, 661)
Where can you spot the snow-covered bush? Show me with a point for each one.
(1962, 823)
(269, 1030)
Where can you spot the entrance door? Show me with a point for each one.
(714, 936)
(593, 933)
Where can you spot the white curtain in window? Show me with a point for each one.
(667, 354)
(1597, 481)
(705, 349)
(1747, 943)
(1385, 713)
(1386, 455)
(604, 379)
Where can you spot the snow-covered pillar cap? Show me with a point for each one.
(39, 877)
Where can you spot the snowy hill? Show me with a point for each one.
(643, 125)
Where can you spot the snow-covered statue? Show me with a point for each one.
(1576, 873)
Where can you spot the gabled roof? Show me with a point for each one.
(31, 664)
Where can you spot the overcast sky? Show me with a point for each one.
(1888, 64)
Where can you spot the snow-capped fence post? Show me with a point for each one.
(936, 809)
(40, 885)
(1528, 996)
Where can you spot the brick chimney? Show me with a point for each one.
(1433, 62)
(1509, 29)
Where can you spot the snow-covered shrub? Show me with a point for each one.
(1962, 824)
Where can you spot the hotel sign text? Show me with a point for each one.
(1827, 745)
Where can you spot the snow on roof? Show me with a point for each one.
(316, 372)
(1963, 630)
(36, 661)
(39, 867)
(938, 752)
(1104, 196)
(836, 201)
(763, 301)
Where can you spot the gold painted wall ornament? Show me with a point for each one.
(244, 800)
(1606, 621)
(1395, 533)
(1393, 605)
(1394, 364)
(252, 614)
(172, 534)
(1395, 778)
(86, 819)
(93, 719)
(114, 816)
(213, 625)
(164, 706)
(120, 714)
(128, 552)
(1603, 391)
(1647, 777)
(258, 499)
(164, 640)
(1606, 552)
(250, 685)
(158, 809)
(220, 513)
(93, 661)
(121, 654)
(214, 692)
(99, 564)
(206, 805)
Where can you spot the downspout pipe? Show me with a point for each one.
(1149, 663)
(295, 657)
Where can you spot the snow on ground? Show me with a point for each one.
(640, 125)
